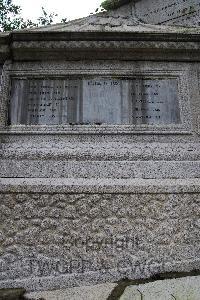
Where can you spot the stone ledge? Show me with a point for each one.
(104, 185)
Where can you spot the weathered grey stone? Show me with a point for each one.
(136, 14)
(52, 239)
(179, 289)
(4, 47)
(131, 293)
(170, 12)
(98, 292)
(84, 203)
(1, 69)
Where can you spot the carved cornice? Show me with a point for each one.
(84, 49)
(176, 43)
(105, 45)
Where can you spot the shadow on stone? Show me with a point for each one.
(12, 294)
(123, 284)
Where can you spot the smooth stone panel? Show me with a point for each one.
(94, 101)
(102, 101)
(37, 102)
(187, 288)
(97, 292)
(155, 101)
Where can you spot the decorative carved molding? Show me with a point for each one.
(176, 45)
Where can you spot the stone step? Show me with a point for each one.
(98, 169)
(100, 151)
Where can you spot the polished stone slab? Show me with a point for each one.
(94, 101)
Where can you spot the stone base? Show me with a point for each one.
(59, 233)
(179, 289)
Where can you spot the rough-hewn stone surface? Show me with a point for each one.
(50, 240)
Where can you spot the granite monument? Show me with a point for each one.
(100, 148)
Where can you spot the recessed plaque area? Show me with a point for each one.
(94, 101)
(154, 101)
(104, 101)
(44, 101)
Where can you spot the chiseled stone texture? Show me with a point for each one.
(97, 292)
(51, 240)
(169, 12)
(90, 157)
(179, 289)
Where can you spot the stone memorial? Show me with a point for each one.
(100, 148)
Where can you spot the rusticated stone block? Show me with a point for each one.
(60, 238)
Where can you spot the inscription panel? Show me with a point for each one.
(154, 101)
(44, 101)
(180, 12)
(105, 101)
(94, 101)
